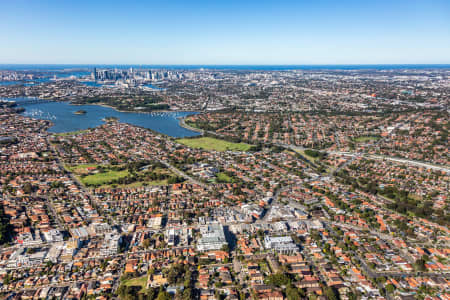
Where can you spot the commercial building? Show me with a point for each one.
(213, 238)
(280, 244)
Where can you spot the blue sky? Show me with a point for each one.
(225, 32)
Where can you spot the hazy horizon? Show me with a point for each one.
(25, 66)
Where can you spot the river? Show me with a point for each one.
(64, 119)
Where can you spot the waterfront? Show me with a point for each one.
(64, 119)
(26, 83)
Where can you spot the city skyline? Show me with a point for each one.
(232, 33)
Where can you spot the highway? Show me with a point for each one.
(354, 155)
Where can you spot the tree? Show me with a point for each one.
(278, 279)
(242, 295)
(420, 265)
(381, 279)
(175, 179)
(178, 294)
(163, 295)
(146, 243)
(121, 291)
(330, 293)
(390, 288)
(5, 227)
(312, 297)
(292, 293)
(187, 281)
(151, 293)
(225, 248)
(27, 188)
(187, 294)
(131, 292)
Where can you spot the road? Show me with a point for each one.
(53, 285)
(183, 174)
(353, 154)
(117, 282)
(274, 202)
(373, 274)
(123, 255)
(353, 227)
(394, 159)
(183, 124)
(343, 153)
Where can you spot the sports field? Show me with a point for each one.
(363, 139)
(139, 281)
(104, 177)
(209, 143)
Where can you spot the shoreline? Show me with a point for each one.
(130, 111)
(180, 119)
(183, 124)
(49, 100)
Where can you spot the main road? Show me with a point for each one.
(183, 174)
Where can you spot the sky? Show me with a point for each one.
(225, 32)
